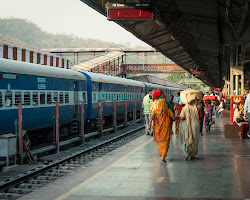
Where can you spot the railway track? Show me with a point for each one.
(23, 184)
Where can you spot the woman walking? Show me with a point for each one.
(190, 126)
(162, 117)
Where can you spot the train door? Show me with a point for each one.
(76, 89)
(100, 92)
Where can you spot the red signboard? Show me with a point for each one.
(117, 11)
(217, 89)
(207, 81)
(198, 72)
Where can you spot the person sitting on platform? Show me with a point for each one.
(247, 107)
(240, 121)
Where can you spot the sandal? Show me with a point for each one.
(186, 158)
(193, 158)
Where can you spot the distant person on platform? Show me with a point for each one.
(146, 106)
(247, 107)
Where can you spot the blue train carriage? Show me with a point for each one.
(168, 91)
(37, 88)
(108, 89)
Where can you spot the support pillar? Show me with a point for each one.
(236, 69)
(126, 113)
(236, 84)
(82, 122)
(115, 124)
(20, 134)
(57, 127)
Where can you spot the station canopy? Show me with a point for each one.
(90, 63)
(196, 35)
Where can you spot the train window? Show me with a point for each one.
(106, 98)
(1, 100)
(55, 97)
(8, 99)
(66, 97)
(94, 97)
(84, 97)
(61, 97)
(26, 98)
(42, 98)
(35, 98)
(109, 96)
(49, 98)
(18, 98)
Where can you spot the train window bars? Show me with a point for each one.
(49, 98)
(26, 98)
(42, 98)
(8, 99)
(34, 98)
(55, 97)
(18, 98)
(66, 97)
(61, 97)
(1, 100)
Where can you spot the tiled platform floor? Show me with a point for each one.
(134, 171)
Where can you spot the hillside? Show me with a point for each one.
(30, 33)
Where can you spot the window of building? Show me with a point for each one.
(8, 99)
(35, 98)
(49, 98)
(1, 100)
(18, 98)
(61, 97)
(55, 97)
(26, 98)
(66, 97)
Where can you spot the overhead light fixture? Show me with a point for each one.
(180, 47)
(172, 37)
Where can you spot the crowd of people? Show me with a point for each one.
(189, 119)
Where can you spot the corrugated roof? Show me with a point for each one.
(98, 60)
(152, 79)
(11, 41)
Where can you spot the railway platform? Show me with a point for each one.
(135, 172)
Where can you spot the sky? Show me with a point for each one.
(68, 17)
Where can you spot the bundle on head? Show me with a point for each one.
(190, 95)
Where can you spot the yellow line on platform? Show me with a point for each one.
(159, 180)
(65, 195)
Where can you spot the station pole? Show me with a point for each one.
(20, 135)
(126, 113)
(82, 122)
(135, 113)
(115, 125)
(231, 110)
(101, 118)
(57, 127)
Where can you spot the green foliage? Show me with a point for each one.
(30, 33)
(178, 77)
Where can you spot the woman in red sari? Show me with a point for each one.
(162, 118)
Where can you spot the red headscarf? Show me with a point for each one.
(157, 93)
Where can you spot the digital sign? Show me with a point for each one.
(199, 72)
(116, 11)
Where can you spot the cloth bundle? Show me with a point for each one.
(190, 95)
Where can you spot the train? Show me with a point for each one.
(38, 88)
